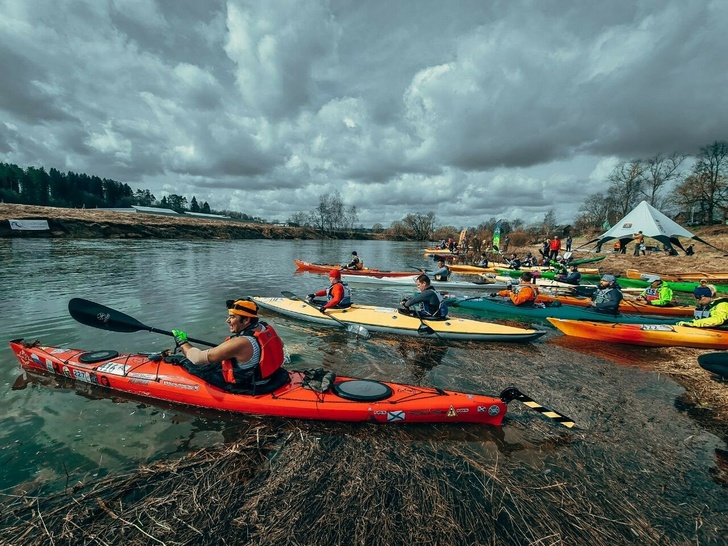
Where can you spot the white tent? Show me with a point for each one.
(652, 223)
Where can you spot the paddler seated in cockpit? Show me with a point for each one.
(442, 273)
(523, 294)
(248, 361)
(431, 301)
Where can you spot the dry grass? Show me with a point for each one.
(292, 487)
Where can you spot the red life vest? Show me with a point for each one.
(271, 356)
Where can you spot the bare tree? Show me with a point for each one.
(626, 182)
(422, 225)
(658, 171)
(596, 210)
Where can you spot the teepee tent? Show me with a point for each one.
(652, 223)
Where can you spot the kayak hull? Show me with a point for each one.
(716, 363)
(137, 375)
(627, 307)
(501, 306)
(409, 282)
(650, 335)
(388, 320)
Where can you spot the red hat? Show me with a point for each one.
(335, 274)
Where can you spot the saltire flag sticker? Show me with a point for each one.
(394, 416)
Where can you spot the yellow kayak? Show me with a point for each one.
(388, 320)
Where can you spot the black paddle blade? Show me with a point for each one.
(425, 330)
(99, 316)
(512, 393)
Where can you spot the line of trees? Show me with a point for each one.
(35, 186)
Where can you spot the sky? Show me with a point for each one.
(470, 109)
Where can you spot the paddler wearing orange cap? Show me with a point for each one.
(251, 355)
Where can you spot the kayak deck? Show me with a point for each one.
(388, 320)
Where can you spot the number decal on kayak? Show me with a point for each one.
(657, 327)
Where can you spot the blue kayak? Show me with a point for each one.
(499, 307)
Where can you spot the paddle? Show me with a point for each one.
(417, 268)
(355, 329)
(99, 316)
(512, 393)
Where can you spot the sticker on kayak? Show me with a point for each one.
(113, 368)
(657, 327)
(394, 416)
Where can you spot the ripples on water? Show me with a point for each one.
(49, 428)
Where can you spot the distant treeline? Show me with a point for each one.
(35, 186)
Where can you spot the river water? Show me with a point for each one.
(632, 443)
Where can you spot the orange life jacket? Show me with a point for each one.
(271, 357)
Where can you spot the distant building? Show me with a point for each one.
(154, 210)
(212, 216)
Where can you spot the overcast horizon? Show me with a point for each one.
(470, 109)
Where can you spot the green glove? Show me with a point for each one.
(683, 323)
(180, 337)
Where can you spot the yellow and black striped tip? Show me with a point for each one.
(512, 393)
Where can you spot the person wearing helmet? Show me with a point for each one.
(252, 355)
(658, 293)
(607, 296)
(338, 294)
(355, 263)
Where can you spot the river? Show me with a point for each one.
(633, 447)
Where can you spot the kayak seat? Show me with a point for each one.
(97, 356)
(362, 390)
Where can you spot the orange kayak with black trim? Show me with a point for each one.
(625, 306)
(347, 399)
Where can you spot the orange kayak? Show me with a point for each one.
(626, 306)
(323, 268)
(651, 335)
(347, 399)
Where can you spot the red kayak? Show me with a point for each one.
(323, 268)
(346, 399)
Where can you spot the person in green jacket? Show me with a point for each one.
(717, 313)
(658, 293)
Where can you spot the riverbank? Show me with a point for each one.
(107, 224)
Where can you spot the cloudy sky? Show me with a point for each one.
(471, 109)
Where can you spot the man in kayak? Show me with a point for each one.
(703, 289)
(524, 294)
(430, 300)
(251, 354)
(338, 294)
(355, 263)
(442, 273)
(658, 293)
(572, 277)
(717, 313)
(607, 296)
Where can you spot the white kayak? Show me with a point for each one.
(409, 282)
(388, 320)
